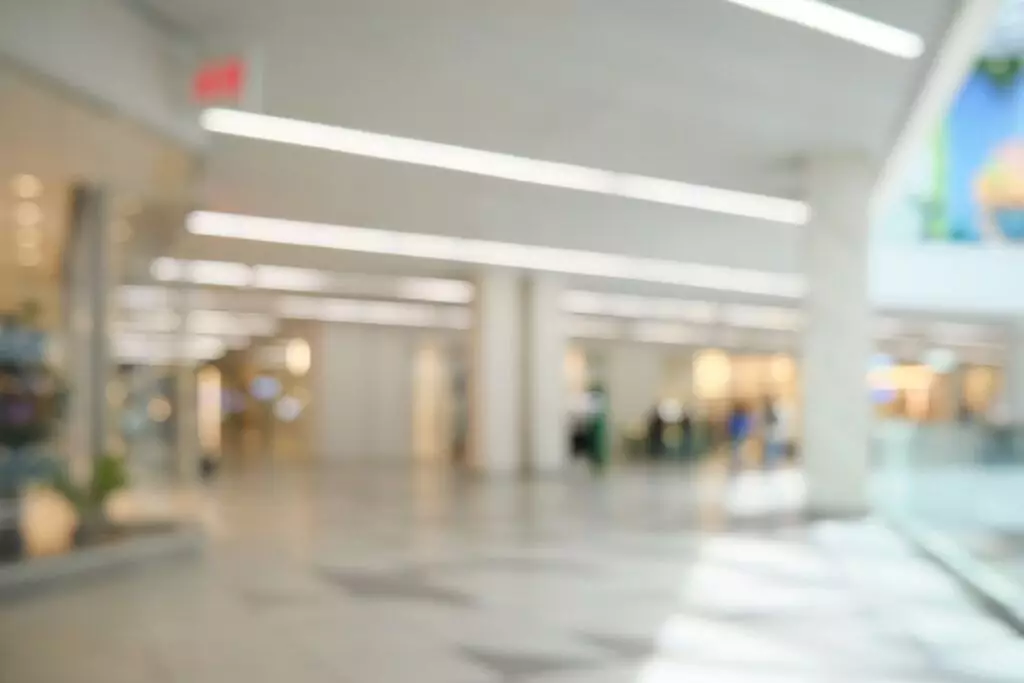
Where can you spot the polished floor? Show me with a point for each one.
(360, 573)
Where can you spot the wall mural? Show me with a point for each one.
(968, 185)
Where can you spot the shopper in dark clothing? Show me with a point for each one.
(656, 433)
(739, 430)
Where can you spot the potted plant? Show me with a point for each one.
(89, 498)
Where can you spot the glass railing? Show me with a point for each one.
(958, 489)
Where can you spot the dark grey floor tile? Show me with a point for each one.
(516, 666)
(396, 587)
(626, 648)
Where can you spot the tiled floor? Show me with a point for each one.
(359, 573)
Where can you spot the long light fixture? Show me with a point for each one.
(504, 166)
(368, 312)
(199, 321)
(503, 254)
(157, 349)
(291, 279)
(843, 24)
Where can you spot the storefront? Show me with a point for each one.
(84, 198)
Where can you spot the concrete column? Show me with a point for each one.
(496, 398)
(837, 337)
(545, 349)
(186, 438)
(89, 281)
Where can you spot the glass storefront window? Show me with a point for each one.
(78, 222)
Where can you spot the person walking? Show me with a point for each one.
(739, 431)
(775, 433)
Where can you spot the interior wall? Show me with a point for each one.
(433, 407)
(109, 53)
(633, 378)
(364, 392)
(382, 393)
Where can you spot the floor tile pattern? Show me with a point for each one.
(367, 574)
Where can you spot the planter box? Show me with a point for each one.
(128, 546)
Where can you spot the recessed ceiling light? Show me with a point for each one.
(297, 357)
(505, 166)
(482, 252)
(843, 24)
(27, 214)
(26, 186)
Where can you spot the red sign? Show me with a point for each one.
(219, 81)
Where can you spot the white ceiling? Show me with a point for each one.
(701, 91)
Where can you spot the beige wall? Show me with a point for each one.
(373, 387)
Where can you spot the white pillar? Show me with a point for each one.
(837, 337)
(497, 370)
(87, 342)
(545, 348)
(186, 438)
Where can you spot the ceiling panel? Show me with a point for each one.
(701, 91)
(267, 179)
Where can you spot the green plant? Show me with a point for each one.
(108, 475)
(1001, 70)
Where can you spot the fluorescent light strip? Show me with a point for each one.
(373, 312)
(527, 257)
(289, 279)
(667, 309)
(841, 23)
(504, 166)
(669, 333)
(165, 349)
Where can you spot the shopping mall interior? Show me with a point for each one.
(539, 342)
